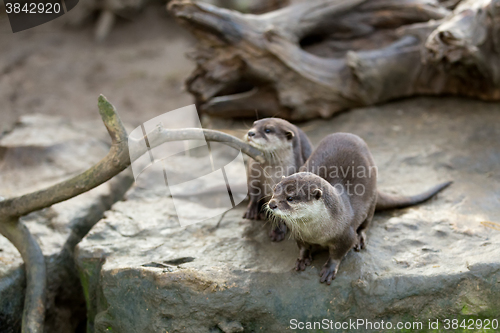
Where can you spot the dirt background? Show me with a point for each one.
(57, 70)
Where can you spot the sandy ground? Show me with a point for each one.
(54, 70)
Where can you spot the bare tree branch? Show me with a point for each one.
(34, 301)
(115, 161)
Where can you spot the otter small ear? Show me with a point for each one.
(289, 135)
(317, 193)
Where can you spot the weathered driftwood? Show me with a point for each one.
(253, 6)
(115, 161)
(108, 11)
(315, 58)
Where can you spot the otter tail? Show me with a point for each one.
(387, 201)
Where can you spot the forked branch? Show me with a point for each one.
(115, 161)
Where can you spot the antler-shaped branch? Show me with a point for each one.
(116, 160)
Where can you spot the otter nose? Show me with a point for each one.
(273, 204)
(251, 133)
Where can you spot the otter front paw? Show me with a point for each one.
(278, 234)
(302, 263)
(328, 272)
(252, 212)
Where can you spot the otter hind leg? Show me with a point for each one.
(361, 243)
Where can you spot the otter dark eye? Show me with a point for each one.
(267, 130)
(289, 199)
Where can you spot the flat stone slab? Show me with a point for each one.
(142, 272)
(41, 151)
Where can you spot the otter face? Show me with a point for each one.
(269, 134)
(296, 197)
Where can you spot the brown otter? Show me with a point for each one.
(332, 200)
(286, 147)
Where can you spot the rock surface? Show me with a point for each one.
(142, 272)
(41, 151)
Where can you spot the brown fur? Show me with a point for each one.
(286, 148)
(330, 205)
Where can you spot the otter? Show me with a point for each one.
(286, 147)
(332, 200)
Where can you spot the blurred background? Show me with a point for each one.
(139, 62)
(59, 68)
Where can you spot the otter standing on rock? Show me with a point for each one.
(332, 200)
(286, 148)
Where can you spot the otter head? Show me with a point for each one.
(270, 134)
(298, 197)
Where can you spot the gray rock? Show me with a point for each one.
(230, 327)
(39, 152)
(142, 272)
